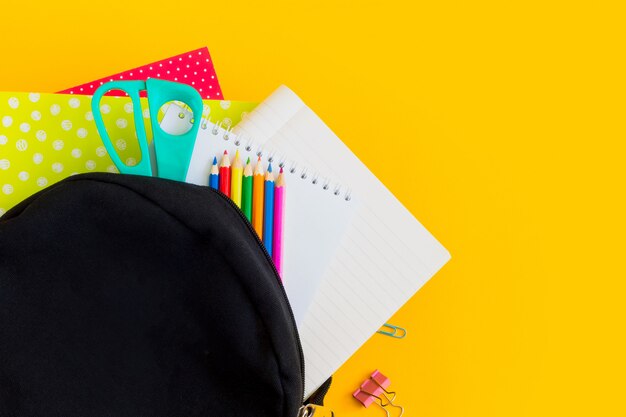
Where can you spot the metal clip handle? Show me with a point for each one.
(312, 410)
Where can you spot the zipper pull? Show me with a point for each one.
(312, 410)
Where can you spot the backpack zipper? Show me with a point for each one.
(276, 274)
(317, 398)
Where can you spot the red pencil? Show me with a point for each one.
(225, 174)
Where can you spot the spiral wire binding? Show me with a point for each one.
(289, 166)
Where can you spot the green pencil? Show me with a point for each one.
(246, 191)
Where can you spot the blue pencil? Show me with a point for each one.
(214, 177)
(268, 211)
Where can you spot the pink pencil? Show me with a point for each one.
(279, 221)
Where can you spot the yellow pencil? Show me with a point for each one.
(235, 180)
(258, 186)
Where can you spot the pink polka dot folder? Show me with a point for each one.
(194, 68)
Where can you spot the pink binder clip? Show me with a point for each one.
(374, 390)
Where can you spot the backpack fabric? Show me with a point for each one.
(136, 296)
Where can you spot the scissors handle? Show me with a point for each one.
(132, 88)
(172, 152)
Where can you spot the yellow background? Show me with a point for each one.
(499, 124)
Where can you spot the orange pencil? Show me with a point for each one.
(225, 174)
(258, 186)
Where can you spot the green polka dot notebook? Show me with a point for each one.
(45, 138)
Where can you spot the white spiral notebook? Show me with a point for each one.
(385, 255)
(316, 214)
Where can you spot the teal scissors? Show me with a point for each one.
(172, 153)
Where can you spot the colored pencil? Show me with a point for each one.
(235, 180)
(268, 211)
(257, 198)
(246, 191)
(214, 177)
(279, 222)
(225, 174)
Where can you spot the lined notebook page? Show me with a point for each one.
(315, 218)
(385, 254)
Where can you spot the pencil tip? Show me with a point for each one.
(269, 168)
(215, 160)
(225, 152)
(281, 170)
(248, 161)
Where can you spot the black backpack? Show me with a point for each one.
(136, 296)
